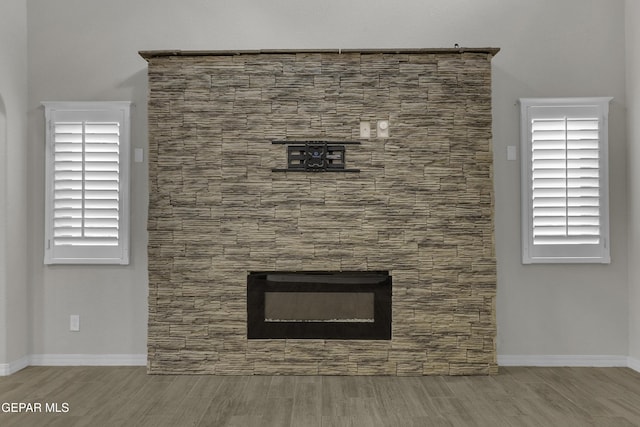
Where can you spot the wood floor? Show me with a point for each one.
(127, 396)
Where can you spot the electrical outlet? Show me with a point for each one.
(74, 322)
(365, 130)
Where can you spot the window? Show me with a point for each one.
(87, 183)
(565, 201)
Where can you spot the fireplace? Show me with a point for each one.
(319, 305)
(257, 164)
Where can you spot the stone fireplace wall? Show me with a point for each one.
(421, 205)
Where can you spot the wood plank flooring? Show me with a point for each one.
(127, 396)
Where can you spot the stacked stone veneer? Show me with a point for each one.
(421, 207)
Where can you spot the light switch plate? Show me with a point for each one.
(512, 153)
(138, 155)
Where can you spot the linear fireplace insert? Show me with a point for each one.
(319, 304)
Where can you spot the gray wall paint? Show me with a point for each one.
(87, 51)
(14, 319)
(3, 234)
(4, 330)
(632, 15)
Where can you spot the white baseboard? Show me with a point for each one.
(562, 360)
(73, 360)
(13, 367)
(88, 360)
(141, 360)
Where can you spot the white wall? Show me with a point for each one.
(87, 51)
(632, 15)
(14, 316)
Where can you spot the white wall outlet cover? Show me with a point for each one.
(383, 128)
(74, 322)
(365, 130)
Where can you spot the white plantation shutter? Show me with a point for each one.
(87, 183)
(565, 181)
(565, 191)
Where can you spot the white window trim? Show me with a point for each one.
(596, 253)
(95, 254)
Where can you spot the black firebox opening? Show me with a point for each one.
(319, 304)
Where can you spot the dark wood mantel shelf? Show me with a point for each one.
(148, 54)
